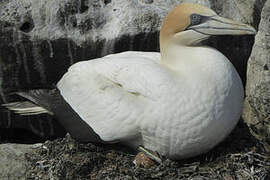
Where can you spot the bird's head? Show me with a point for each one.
(189, 24)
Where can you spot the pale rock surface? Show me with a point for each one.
(13, 162)
(257, 103)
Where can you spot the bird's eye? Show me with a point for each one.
(195, 19)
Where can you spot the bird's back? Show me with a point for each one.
(113, 94)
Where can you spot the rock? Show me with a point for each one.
(257, 103)
(39, 40)
(13, 161)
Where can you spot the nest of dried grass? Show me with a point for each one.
(240, 156)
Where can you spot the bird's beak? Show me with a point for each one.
(216, 25)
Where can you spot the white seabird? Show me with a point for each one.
(180, 102)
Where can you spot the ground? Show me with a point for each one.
(240, 156)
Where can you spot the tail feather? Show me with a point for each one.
(26, 108)
(51, 102)
(40, 97)
(38, 103)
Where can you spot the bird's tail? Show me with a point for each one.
(25, 108)
(36, 103)
(48, 101)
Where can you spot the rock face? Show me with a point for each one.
(13, 162)
(257, 104)
(39, 40)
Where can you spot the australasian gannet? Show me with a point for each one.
(180, 102)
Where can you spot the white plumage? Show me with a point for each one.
(131, 97)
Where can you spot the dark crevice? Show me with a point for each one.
(107, 2)
(14, 135)
(139, 42)
(27, 26)
(148, 1)
(236, 48)
(258, 6)
(83, 6)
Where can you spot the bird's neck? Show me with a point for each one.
(187, 58)
(200, 67)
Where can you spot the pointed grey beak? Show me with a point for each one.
(216, 25)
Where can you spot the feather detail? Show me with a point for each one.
(26, 108)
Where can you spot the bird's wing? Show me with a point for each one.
(136, 72)
(111, 93)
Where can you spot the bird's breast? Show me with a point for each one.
(198, 112)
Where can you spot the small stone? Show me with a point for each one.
(141, 160)
(148, 1)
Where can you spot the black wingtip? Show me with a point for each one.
(52, 101)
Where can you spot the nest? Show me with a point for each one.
(240, 156)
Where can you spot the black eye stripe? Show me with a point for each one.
(196, 19)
